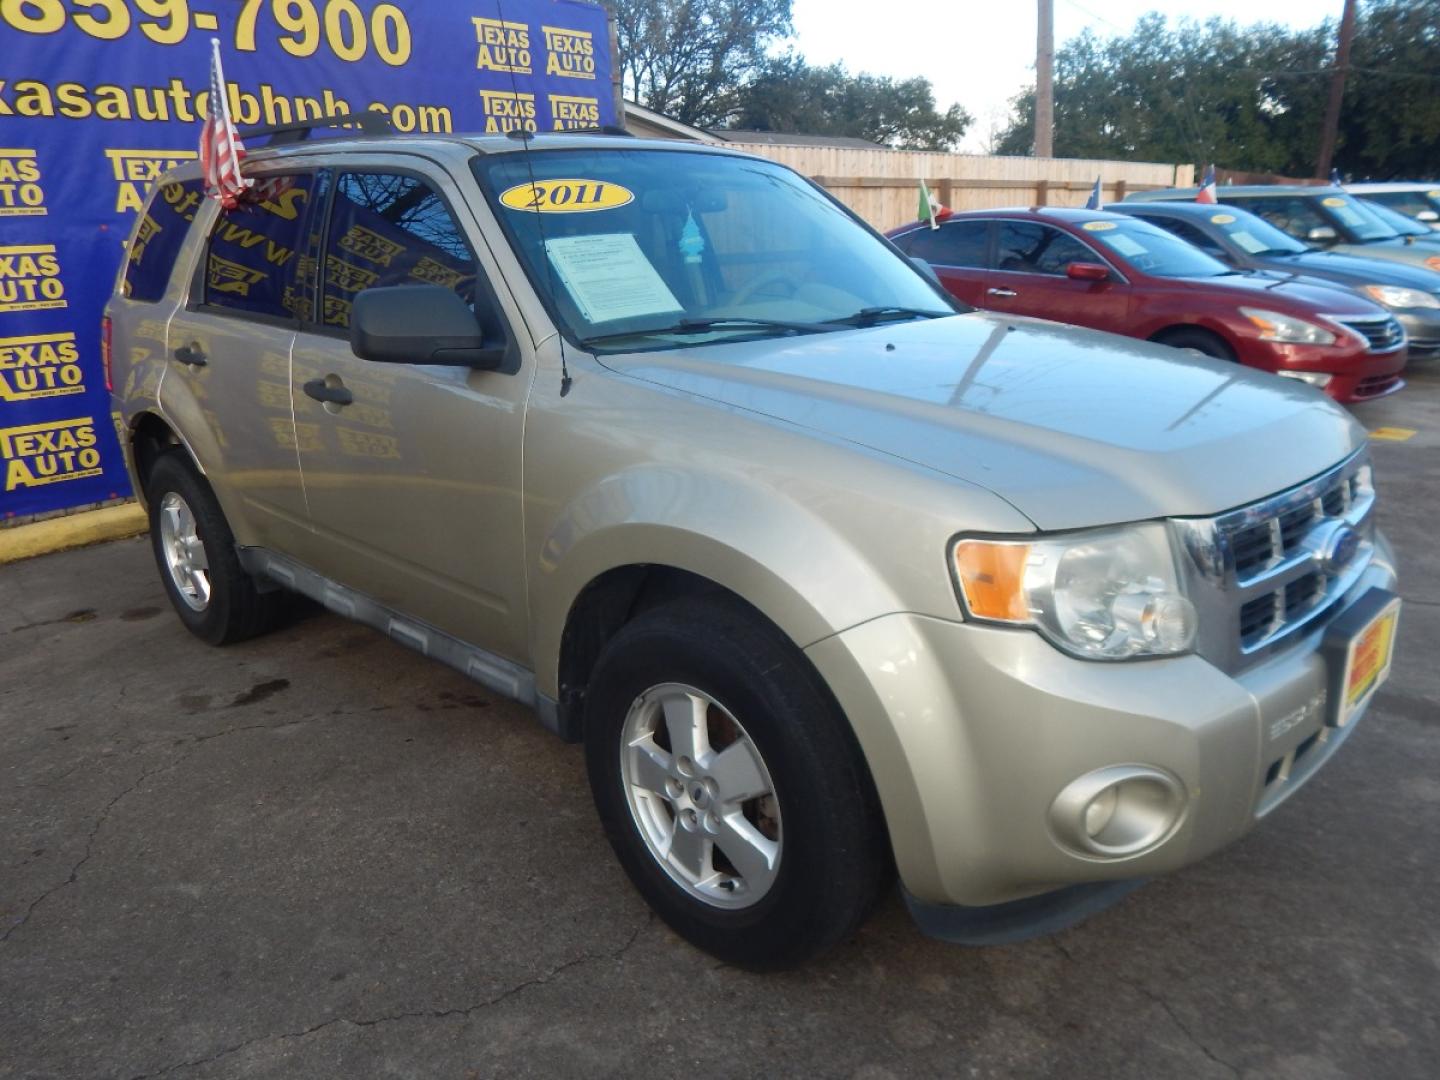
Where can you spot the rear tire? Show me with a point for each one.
(1193, 339)
(195, 552)
(730, 785)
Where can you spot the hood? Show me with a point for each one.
(1293, 295)
(1072, 427)
(1356, 269)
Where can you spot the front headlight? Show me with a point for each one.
(1397, 296)
(1274, 326)
(1108, 594)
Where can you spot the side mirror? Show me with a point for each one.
(1083, 271)
(1427, 216)
(1321, 234)
(420, 324)
(928, 270)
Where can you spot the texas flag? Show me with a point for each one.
(1207, 187)
(1093, 203)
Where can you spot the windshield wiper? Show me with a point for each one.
(718, 322)
(871, 315)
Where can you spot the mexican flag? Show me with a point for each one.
(931, 209)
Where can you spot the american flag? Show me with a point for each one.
(1207, 187)
(221, 150)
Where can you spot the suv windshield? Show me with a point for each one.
(661, 248)
(1403, 225)
(1152, 250)
(1356, 219)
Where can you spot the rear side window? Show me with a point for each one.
(158, 239)
(956, 243)
(390, 229)
(251, 263)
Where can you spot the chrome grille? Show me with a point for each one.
(1263, 572)
(1381, 333)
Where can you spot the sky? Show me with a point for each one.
(981, 53)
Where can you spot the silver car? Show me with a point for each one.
(831, 578)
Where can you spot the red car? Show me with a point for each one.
(1116, 273)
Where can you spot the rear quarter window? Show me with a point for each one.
(158, 238)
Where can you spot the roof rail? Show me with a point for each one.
(604, 129)
(370, 122)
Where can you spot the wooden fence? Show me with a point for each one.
(882, 186)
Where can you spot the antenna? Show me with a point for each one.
(524, 137)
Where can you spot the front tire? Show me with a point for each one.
(195, 551)
(1195, 340)
(730, 785)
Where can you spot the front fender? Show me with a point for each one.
(781, 557)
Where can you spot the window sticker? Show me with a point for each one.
(1222, 219)
(1125, 245)
(566, 196)
(1433, 194)
(1333, 200)
(609, 277)
(1098, 226)
(1246, 241)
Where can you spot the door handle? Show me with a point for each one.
(334, 395)
(191, 354)
(999, 292)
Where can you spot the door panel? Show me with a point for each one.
(237, 330)
(1029, 279)
(413, 484)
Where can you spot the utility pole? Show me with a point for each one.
(1337, 92)
(1045, 81)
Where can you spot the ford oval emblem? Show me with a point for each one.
(1339, 549)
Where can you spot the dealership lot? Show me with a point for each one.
(318, 854)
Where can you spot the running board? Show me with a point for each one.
(494, 672)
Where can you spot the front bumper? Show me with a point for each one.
(971, 731)
(1422, 331)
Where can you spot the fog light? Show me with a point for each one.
(1314, 378)
(1118, 812)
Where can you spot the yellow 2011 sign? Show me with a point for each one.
(566, 196)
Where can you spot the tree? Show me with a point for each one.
(1249, 98)
(1390, 120)
(689, 58)
(790, 95)
(1192, 92)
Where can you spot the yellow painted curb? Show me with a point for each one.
(1392, 434)
(73, 531)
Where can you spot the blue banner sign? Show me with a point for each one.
(98, 99)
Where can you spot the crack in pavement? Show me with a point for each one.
(89, 846)
(195, 742)
(432, 1014)
(1169, 1011)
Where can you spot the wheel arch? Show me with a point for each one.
(151, 435)
(1170, 330)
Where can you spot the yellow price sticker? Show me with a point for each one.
(1333, 200)
(1098, 226)
(566, 196)
(1222, 219)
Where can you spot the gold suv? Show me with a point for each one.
(831, 576)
